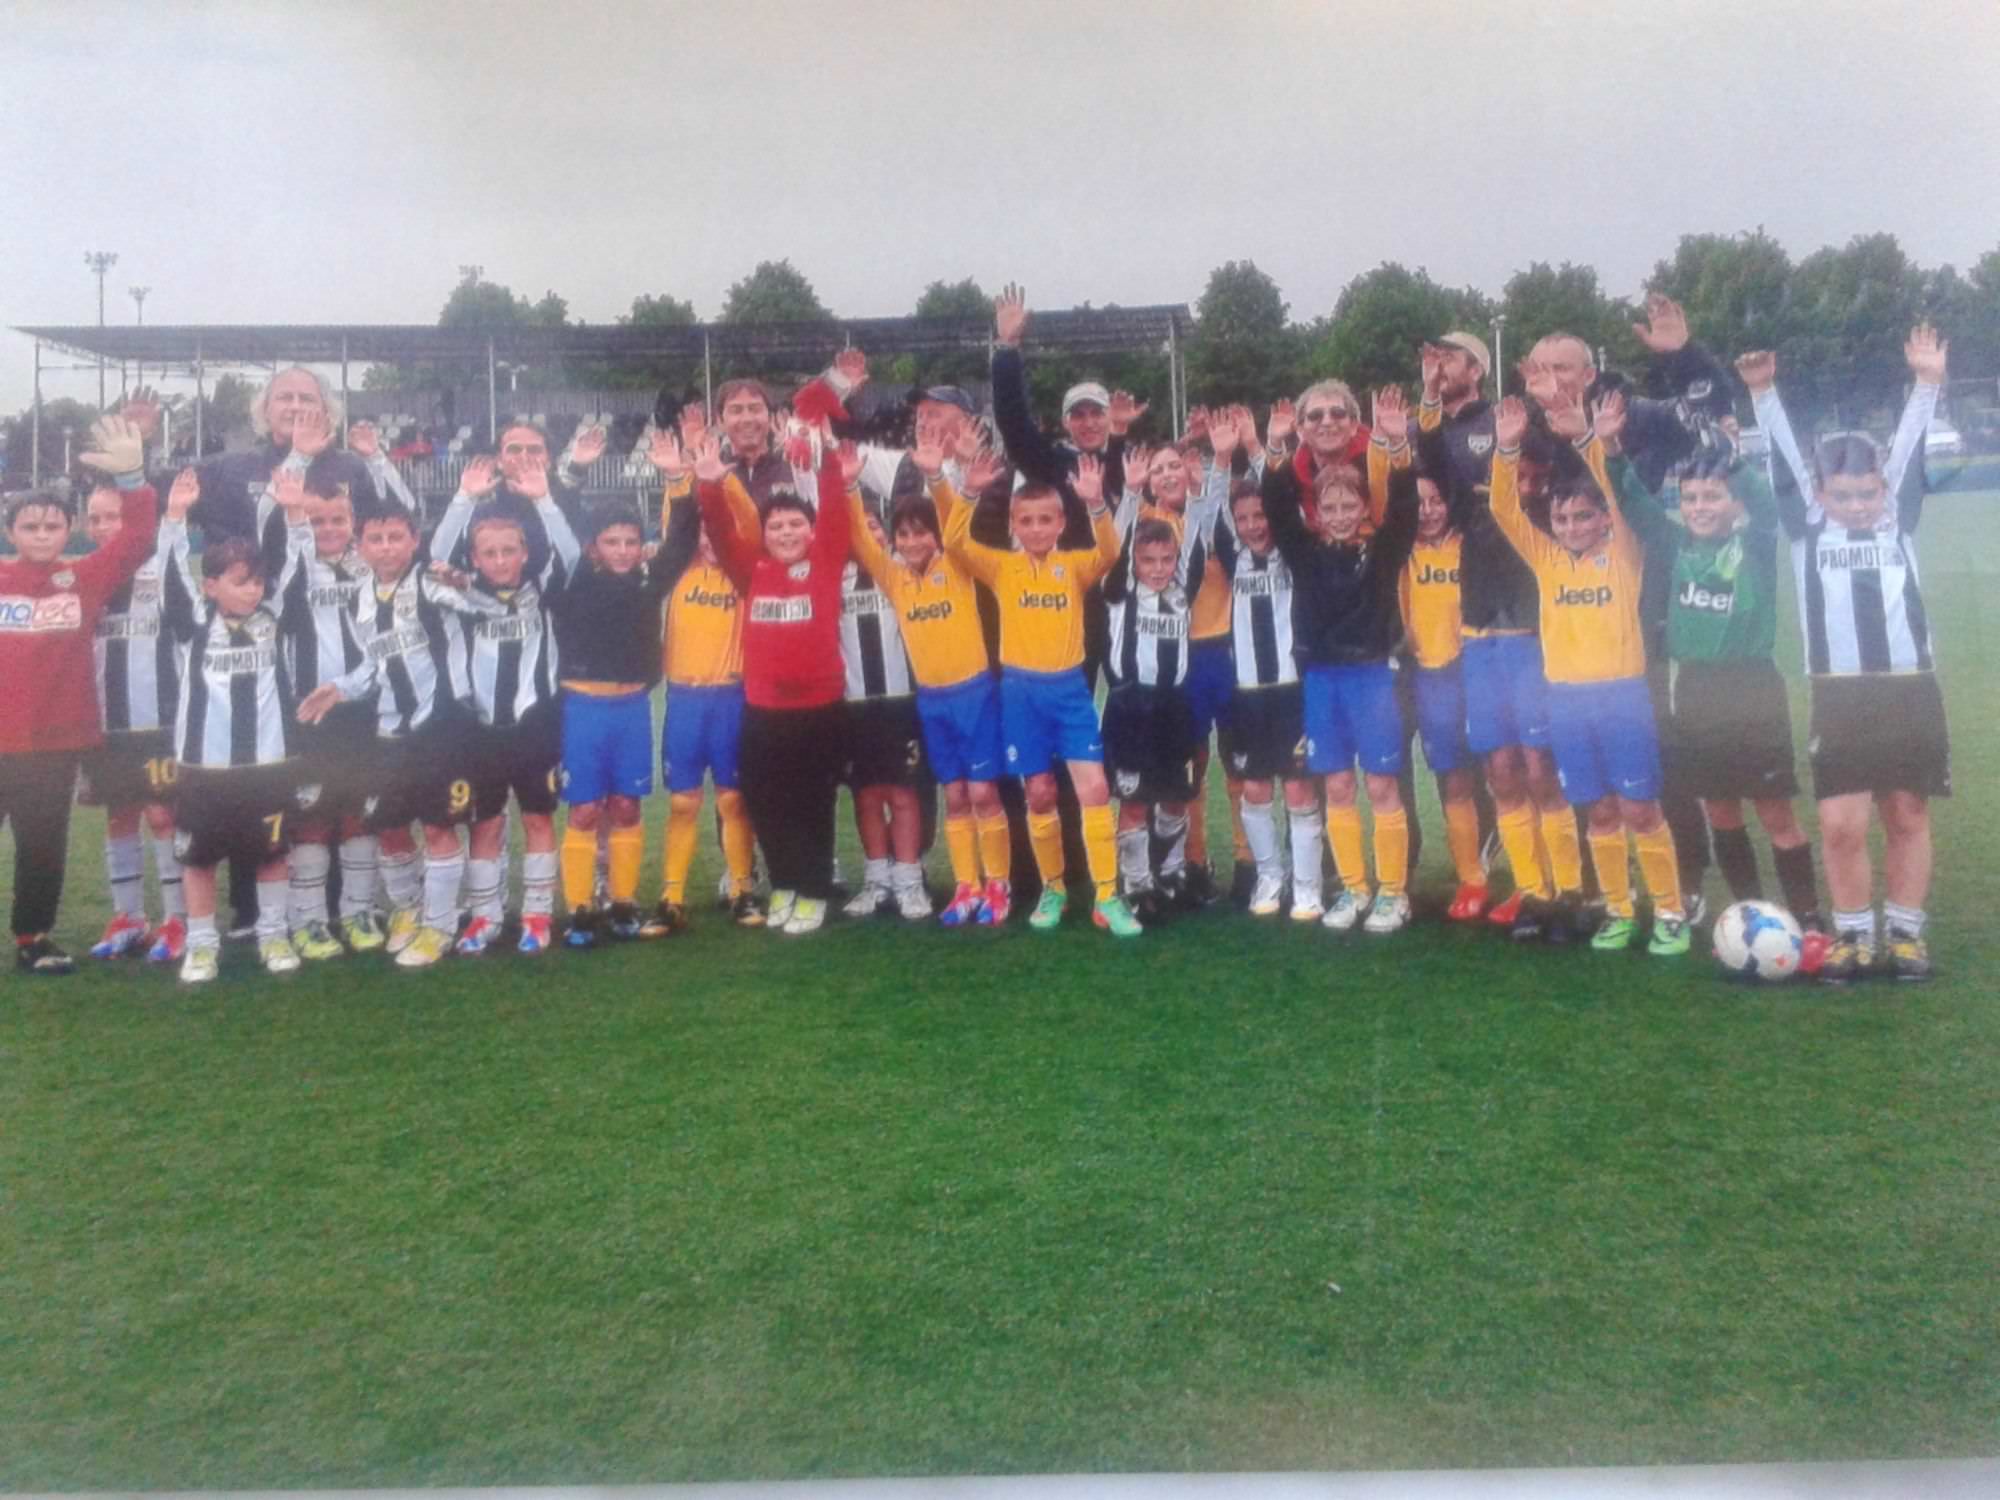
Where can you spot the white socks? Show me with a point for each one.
(309, 864)
(126, 867)
(1260, 831)
(271, 909)
(357, 875)
(167, 865)
(1308, 840)
(443, 880)
(538, 883)
(1172, 829)
(482, 889)
(1135, 862)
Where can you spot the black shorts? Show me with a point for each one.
(524, 760)
(131, 769)
(339, 755)
(885, 743)
(242, 813)
(1149, 743)
(420, 778)
(1879, 734)
(1728, 734)
(1265, 738)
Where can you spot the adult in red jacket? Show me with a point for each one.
(789, 579)
(49, 606)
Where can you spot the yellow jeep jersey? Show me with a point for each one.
(1040, 599)
(704, 629)
(1428, 592)
(1589, 604)
(937, 609)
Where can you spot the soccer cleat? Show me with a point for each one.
(1048, 912)
(1813, 948)
(38, 955)
(1531, 917)
(1909, 957)
(623, 919)
(1850, 958)
(314, 941)
(1561, 918)
(404, 925)
(123, 936)
(169, 942)
(1695, 907)
(1390, 913)
(1671, 934)
(963, 908)
(363, 932)
(1193, 889)
(582, 931)
(668, 918)
(537, 932)
(747, 911)
(480, 934)
(277, 955)
(913, 902)
(1507, 911)
(242, 929)
(808, 915)
(425, 949)
(1615, 934)
(997, 904)
(1307, 905)
(1469, 905)
(1243, 884)
(867, 901)
(780, 911)
(1267, 895)
(1116, 918)
(201, 964)
(1343, 913)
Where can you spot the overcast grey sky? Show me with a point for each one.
(336, 162)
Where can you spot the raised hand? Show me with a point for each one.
(1510, 422)
(363, 441)
(1222, 433)
(533, 482)
(587, 447)
(1926, 352)
(1010, 316)
(664, 454)
(850, 462)
(1246, 429)
(1567, 418)
(966, 442)
(694, 425)
(1283, 423)
(479, 477)
(1088, 481)
(1538, 380)
(1431, 357)
(142, 410)
(1758, 369)
(852, 366)
(981, 469)
(117, 446)
(1390, 416)
(186, 490)
(312, 432)
(1124, 411)
(288, 489)
(928, 452)
(708, 465)
(1138, 462)
(1666, 327)
(1608, 417)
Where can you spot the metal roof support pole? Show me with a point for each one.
(343, 390)
(1175, 393)
(707, 379)
(199, 400)
(35, 443)
(492, 399)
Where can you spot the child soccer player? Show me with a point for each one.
(419, 773)
(325, 575)
(702, 734)
(958, 700)
(1045, 705)
(49, 606)
(510, 659)
(1345, 624)
(131, 775)
(1600, 711)
(1878, 727)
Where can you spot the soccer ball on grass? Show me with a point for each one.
(1758, 940)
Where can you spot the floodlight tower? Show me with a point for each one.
(99, 262)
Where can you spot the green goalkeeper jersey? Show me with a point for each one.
(1722, 596)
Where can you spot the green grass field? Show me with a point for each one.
(902, 1202)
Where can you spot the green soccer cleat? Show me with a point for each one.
(199, 964)
(1616, 934)
(1671, 933)
(363, 932)
(1116, 918)
(1048, 912)
(425, 949)
(314, 942)
(404, 925)
(277, 956)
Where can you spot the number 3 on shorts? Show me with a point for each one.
(461, 796)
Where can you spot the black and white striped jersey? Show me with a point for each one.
(508, 656)
(1149, 634)
(138, 656)
(315, 603)
(1260, 608)
(237, 706)
(1861, 605)
(406, 652)
(871, 641)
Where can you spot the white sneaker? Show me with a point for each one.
(1306, 903)
(779, 912)
(808, 915)
(1267, 896)
(278, 955)
(1388, 914)
(199, 964)
(1343, 914)
(868, 900)
(913, 902)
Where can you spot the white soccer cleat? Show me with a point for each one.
(1343, 913)
(913, 902)
(1268, 896)
(779, 912)
(200, 964)
(1390, 913)
(278, 955)
(868, 900)
(808, 915)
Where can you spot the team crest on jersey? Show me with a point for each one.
(1479, 444)
(1238, 761)
(63, 580)
(799, 570)
(369, 804)
(1013, 754)
(307, 796)
(1699, 390)
(1128, 783)
(1602, 561)
(183, 841)
(937, 580)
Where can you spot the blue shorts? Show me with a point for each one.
(1604, 741)
(1351, 712)
(1440, 696)
(962, 729)
(607, 746)
(1210, 685)
(703, 728)
(1047, 717)
(1506, 695)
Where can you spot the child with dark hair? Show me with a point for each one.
(1879, 740)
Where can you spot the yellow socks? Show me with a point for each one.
(1657, 862)
(1045, 834)
(1614, 874)
(579, 867)
(1392, 850)
(683, 830)
(961, 841)
(1461, 833)
(739, 839)
(628, 852)
(1100, 848)
(1517, 837)
(1558, 831)
(1343, 831)
(996, 848)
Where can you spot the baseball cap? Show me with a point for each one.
(1088, 390)
(949, 395)
(1472, 344)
